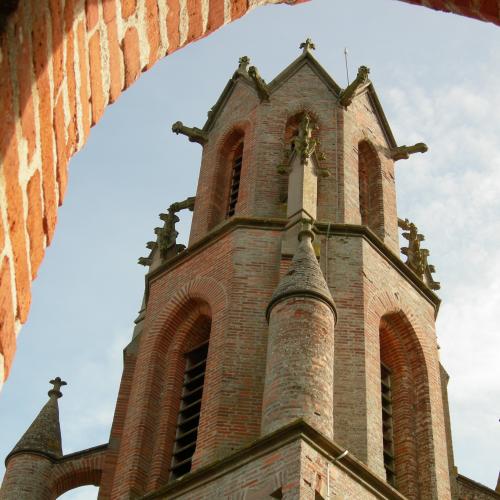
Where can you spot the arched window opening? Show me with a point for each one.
(370, 188)
(188, 419)
(226, 193)
(237, 163)
(405, 407)
(83, 492)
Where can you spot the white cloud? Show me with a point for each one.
(452, 193)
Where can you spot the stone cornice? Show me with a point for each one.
(84, 453)
(297, 430)
(70, 456)
(365, 232)
(478, 486)
(320, 228)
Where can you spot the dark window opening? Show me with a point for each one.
(387, 424)
(189, 411)
(235, 180)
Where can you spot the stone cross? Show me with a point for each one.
(56, 390)
(307, 46)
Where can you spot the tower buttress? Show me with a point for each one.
(28, 465)
(299, 370)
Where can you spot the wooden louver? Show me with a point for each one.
(235, 181)
(189, 411)
(387, 424)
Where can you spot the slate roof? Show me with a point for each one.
(303, 279)
(44, 434)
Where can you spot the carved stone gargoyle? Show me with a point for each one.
(167, 235)
(260, 84)
(404, 152)
(347, 95)
(416, 257)
(194, 134)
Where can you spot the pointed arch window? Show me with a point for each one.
(406, 432)
(188, 420)
(371, 206)
(237, 163)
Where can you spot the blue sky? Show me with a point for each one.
(437, 76)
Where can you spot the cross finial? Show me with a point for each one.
(307, 46)
(56, 390)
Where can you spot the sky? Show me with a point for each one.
(438, 78)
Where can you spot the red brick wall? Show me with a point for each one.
(235, 277)
(31, 475)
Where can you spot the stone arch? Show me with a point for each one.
(166, 335)
(371, 196)
(57, 84)
(406, 347)
(77, 469)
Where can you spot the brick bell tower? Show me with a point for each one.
(287, 352)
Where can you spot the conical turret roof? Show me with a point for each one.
(44, 434)
(304, 277)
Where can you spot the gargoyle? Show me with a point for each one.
(260, 84)
(167, 235)
(416, 257)
(347, 94)
(404, 152)
(194, 134)
(243, 63)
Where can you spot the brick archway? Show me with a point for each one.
(59, 69)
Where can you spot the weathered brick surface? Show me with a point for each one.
(8, 340)
(33, 476)
(470, 490)
(34, 223)
(35, 467)
(299, 373)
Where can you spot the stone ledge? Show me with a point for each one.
(298, 430)
(320, 227)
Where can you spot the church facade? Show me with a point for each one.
(288, 351)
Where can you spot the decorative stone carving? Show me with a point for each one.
(260, 84)
(167, 235)
(306, 146)
(404, 152)
(347, 94)
(307, 46)
(416, 257)
(304, 143)
(243, 65)
(194, 134)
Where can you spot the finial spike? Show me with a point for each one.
(307, 46)
(56, 390)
